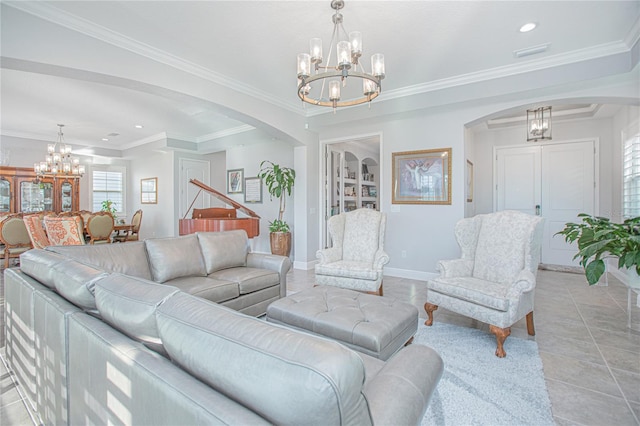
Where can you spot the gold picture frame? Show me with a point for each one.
(149, 191)
(422, 177)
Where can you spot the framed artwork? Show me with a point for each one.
(469, 181)
(149, 191)
(253, 190)
(422, 177)
(235, 181)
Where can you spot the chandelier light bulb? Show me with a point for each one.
(355, 40)
(334, 90)
(377, 65)
(304, 65)
(315, 45)
(344, 55)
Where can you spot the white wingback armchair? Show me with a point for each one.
(357, 257)
(494, 280)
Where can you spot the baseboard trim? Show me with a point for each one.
(306, 266)
(409, 274)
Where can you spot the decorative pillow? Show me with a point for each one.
(171, 258)
(129, 305)
(36, 232)
(64, 231)
(223, 250)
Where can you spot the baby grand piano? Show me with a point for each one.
(217, 219)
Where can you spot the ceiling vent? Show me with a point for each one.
(531, 50)
(113, 135)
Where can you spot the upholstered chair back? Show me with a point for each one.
(360, 234)
(136, 220)
(64, 231)
(100, 227)
(501, 244)
(36, 231)
(14, 232)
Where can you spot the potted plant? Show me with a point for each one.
(109, 206)
(279, 181)
(599, 238)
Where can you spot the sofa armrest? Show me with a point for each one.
(328, 255)
(401, 391)
(525, 282)
(381, 258)
(455, 268)
(280, 264)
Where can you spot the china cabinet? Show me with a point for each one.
(20, 191)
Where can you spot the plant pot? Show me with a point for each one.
(280, 243)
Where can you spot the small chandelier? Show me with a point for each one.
(59, 164)
(539, 124)
(323, 87)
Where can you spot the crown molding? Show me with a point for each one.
(224, 133)
(52, 14)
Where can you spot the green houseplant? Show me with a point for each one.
(599, 238)
(279, 181)
(109, 206)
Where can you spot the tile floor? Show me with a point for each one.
(591, 359)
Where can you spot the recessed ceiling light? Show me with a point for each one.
(105, 139)
(529, 26)
(139, 126)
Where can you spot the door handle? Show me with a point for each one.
(537, 209)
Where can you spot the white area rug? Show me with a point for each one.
(478, 388)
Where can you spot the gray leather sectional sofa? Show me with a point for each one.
(93, 340)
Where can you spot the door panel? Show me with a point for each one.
(568, 176)
(560, 178)
(193, 169)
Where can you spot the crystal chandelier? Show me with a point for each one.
(59, 164)
(321, 85)
(539, 124)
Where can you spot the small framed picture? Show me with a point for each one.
(253, 190)
(235, 181)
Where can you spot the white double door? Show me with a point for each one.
(557, 181)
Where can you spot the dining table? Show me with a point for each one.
(123, 229)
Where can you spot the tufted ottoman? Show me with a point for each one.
(374, 325)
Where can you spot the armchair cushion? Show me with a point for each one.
(348, 268)
(475, 290)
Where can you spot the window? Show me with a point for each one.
(109, 185)
(631, 175)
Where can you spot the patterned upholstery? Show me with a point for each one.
(494, 280)
(14, 236)
(357, 257)
(64, 231)
(36, 231)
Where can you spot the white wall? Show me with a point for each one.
(249, 159)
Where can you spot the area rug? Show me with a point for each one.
(478, 388)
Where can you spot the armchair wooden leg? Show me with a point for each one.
(530, 328)
(429, 308)
(501, 336)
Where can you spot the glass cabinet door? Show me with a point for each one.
(5, 196)
(66, 196)
(36, 197)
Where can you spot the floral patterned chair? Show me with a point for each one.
(64, 231)
(494, 280)
(36, 231)
(357, 257)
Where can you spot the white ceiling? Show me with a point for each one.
(251, 46)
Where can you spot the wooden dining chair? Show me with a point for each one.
(14, 236)
(132, 235)
(100, 227)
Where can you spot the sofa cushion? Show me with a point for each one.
(129, 259)
(248, 279)
(208, 288)
(171, 258)
(38, 264)
(129, 304)
(76, 281)
(285, 376)
(223, 250)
